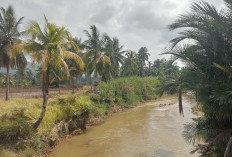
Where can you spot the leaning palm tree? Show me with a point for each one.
(11, 55)
(115, 52)
(48, 47)
(94, 57)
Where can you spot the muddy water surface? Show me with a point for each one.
(146, 131)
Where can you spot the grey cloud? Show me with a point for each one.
(135, 22)
(104, 14)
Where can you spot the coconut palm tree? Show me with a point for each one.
(94, 57)
(11, 55)
(142, 58)
(130, 66)
(115, 52)
(75, 70)
(49, 47)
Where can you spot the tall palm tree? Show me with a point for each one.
(94, 57)
(75, 70)
(115, 52)
(130, 66)
(11, 55)
(47, 48)
(143, 56)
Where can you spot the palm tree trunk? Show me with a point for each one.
(45, 86)
(95, 76)
(7, 81)
(180, 101)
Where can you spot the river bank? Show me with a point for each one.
(67, 115)
(149, 130)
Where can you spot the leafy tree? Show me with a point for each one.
(48, 47)
(11, 55)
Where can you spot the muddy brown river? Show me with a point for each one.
(145, 131)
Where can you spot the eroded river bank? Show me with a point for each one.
(150, 130)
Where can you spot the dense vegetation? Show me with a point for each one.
(66, 114)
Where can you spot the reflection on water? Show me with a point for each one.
(146, 131)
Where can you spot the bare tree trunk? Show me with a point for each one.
(7, 81)
(228, 151)
(45, 86)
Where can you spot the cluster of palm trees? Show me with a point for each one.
(55, 51)
(208, 55)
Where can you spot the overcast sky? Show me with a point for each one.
(136, 23)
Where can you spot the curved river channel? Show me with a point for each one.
(150, 130)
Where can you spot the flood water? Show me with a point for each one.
(145, 131)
